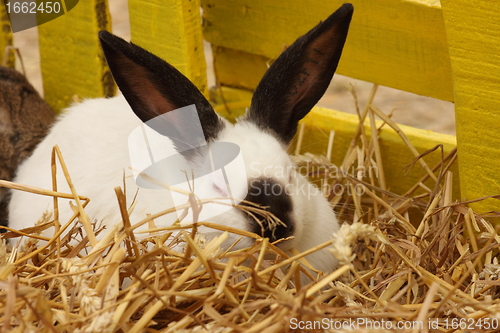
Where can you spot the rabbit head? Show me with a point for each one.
(25, 119)
(158, 95)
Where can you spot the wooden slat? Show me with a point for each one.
(171, 30)
(238, 69)
(474, 39)
(320, 121)
(71, 58)
(5, 35)
(400, 44)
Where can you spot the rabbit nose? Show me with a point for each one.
(274, 220)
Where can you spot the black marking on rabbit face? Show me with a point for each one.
(271, 195)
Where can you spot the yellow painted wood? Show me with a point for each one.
(238, 69)
(71, 58)
(397, 43)
(400, 44)
(5, 35)
(473, 31)
(171, 30)
(320, 121)
(230, 103)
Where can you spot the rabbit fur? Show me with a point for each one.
(92, 137)
(25, 119)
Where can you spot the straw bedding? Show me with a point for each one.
(417, 258)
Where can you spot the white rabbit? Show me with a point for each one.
(93, 137)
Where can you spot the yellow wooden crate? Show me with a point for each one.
(447, 50)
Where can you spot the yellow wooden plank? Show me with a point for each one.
(321, 121)
(5, 35)
(71, 59)
(473, 31)
(400, 44)
(171, 29)
(238, 69)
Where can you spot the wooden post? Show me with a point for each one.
(71, 57)
(5, 35)
(171, 29)
(473, 33)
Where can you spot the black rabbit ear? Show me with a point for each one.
(300, 76)
(152, 87)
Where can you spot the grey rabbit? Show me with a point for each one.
(25, 119)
